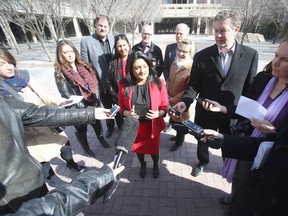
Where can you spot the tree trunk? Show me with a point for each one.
(43, 44)
(26, 38)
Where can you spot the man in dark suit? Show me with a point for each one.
(150, 49)
(97, 49)
(182, 32)
(222, 73)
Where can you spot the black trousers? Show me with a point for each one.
(107, 102)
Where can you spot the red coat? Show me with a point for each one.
(158, 98)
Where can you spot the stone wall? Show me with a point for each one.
(250, 37)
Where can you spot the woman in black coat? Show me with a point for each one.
(74, 76)
(266, 191)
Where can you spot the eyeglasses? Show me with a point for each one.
(182, 51)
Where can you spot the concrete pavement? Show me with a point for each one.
(175, 192)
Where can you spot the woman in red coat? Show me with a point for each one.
(143, 96)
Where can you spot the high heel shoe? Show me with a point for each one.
(72, 165)
(143, 170)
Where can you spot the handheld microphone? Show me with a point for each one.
(125, 139)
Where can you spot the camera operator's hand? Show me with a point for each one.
(213, 106)
(263, 126)
(117, 170)
(212, 138)
(180, 106)
(102, 113)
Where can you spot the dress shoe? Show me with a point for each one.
(198, 170)
(143, 170)
(155, 172)
(103, 142)
(72, 165)
(173, 138)
(226, 200)
(108, 133)
(175, 147)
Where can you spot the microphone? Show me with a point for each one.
(125, 139)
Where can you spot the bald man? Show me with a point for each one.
(182, 32)
(150, 49)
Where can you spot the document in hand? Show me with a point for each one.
(249, 109)
(262, 154)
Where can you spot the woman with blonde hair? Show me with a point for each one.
(177, 81)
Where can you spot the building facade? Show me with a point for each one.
(197, 14)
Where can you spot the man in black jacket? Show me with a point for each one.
(222, 72)
(20, 174)
(150, 49)
(89, 187)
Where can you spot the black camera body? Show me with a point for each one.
(194, 129)
(176, 112)
(241, 127)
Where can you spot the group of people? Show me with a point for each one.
(108, 71)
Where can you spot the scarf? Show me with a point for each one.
(120, 69)
(17, 82)
(84, 79)
(273, 111)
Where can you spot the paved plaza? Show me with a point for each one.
(175, 192)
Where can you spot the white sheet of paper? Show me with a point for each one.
(74, 100)
(262, 154)
(249, 109)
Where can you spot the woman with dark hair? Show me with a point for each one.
(143, 96)
(44, 143)
(74, 76)
(117, 69)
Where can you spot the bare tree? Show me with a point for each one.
(86, 11)
(251, 12)
(8, 32)
(141, 12)
(26, 14)
(114, 9)
(278, 14)
(59, 14)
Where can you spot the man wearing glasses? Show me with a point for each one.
(221, 72)
(182, 32)
(150, 49)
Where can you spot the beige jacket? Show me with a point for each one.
(44, 143)
(176, 85)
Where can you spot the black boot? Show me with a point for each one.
(141, 158)
(155, 158)
(178, 141)
(156, 171)
(97, 127)
(81, 136)
(66, 155)
(143, 170)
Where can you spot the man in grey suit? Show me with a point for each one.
(222, 72)
(98, 50)
(182, 32)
